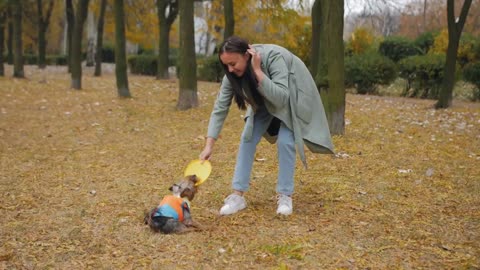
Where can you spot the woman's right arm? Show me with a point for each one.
(217, 117)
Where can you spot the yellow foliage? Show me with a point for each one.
(360, 40)
(465, 48)
(265, 22)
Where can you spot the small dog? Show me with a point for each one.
(172, 215)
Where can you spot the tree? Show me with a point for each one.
(120, 50)
(3, 20)
(188, 65)
(100, 25)
(330, 67)
(315, 46)
(455, 28)
(17, 39)
(10, 35)
(76, 53)
(167, 11)
(42, 26)
(229, 19)
(70, 25)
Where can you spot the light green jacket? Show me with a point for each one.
(290, 94)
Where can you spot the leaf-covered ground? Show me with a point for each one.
(78, 169)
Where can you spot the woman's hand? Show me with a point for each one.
(256, 63)
(207, 150)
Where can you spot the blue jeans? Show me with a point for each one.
(285, 152)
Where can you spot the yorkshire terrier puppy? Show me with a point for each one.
(172, 215)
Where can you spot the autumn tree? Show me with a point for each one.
(455, 28)
(3, 20)
(76, 53)
(330, 66)
(100, 26)
(120, 50)
(42, 26)
(167, 11)
(16, 7)
(229, 19)
(188, 65)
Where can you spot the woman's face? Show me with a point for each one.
(236, 62)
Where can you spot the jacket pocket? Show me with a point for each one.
(304, 105)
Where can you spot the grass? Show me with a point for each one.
(79, 168)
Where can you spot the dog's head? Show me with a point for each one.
(185, 188)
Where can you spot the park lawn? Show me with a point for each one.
(79, 168)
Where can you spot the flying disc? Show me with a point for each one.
(201, 170)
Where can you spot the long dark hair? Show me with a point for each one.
(239, 45)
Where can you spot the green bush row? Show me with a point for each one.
(423, 75)
(471, 73)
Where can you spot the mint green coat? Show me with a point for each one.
(290, 94)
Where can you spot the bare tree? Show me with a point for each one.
(99, 46)
(188, 66)
(120, 50)
(167, 11)
(18, 71)
(76, 54)
(3, 20)
(455, 28)
(330, 66)
(42, 26)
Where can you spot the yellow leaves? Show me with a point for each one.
(360, 40)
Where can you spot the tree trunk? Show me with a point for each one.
(229, 19)
(42, 26)
(10, 36)
(165, 22)
(76, 53)
(17, 39)
(188, 65)
(98, 53)
(331, 64)
(455, 29)
(3, 20)
(316, 25)
(90, 24)
(70, 25)
(120, 51)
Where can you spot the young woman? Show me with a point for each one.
(283, 105)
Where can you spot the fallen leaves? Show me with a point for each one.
(79, 168)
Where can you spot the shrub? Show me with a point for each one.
(210, 69)
(365, 71)
(423, 74)
(425, 41)
(471, 73)
(143, 64)
(397, 48)
(58, 60)
(108, 53)
(30, 59)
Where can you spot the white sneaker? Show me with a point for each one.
(233, 204)
(285, 206)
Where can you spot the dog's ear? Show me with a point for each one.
(193, 178)
(189, 193)
(170, 188)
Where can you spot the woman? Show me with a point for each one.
(283, 105)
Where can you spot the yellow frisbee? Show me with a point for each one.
(201, 170)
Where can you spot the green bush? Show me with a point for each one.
(30, 59)
(423, 74)
(108, 53)
(210, 69)
(397, 48)
(425, 41)
(143, 64)
(471, 73)
(365, 71)
(56, 60)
